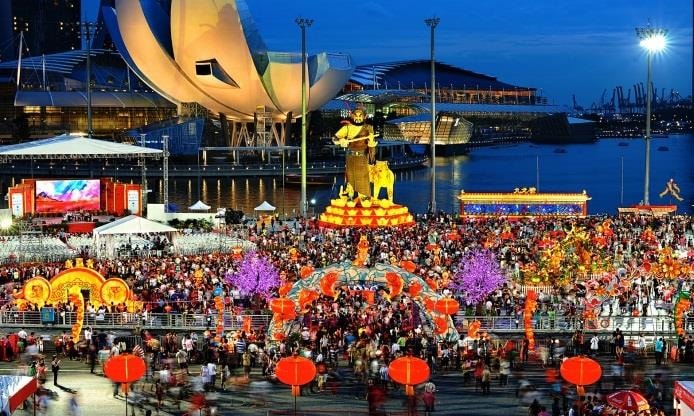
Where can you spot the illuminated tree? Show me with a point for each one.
(478, 275)
(255, 276)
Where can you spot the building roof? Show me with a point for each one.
(74, 145)
(416, 74)
(110, 99)
(132, 224)
(63, 62)
(495, 108)
(576, 120)
(379, 96)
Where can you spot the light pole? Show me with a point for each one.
(89, 27)
(303, 24)
(653, 40)
(432, 23)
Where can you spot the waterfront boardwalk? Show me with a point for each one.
(455, 395)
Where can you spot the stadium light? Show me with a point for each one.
(653, 40)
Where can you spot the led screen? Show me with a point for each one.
(68, 195)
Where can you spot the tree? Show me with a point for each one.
(255, 276)
(478, 275)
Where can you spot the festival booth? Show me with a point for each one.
(264, 213)
(14, 390)
(199, 206)
(436, 309)
(523, 202)
(127, 225)
(684, 398)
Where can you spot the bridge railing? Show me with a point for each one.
(167, 321)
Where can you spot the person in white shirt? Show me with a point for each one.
(212, 374)
(114, 351)
(88, 335)
(594, 345)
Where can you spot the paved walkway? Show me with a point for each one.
(260, 397)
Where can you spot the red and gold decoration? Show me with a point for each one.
(446, 306)
(523, 202)
(78, 303)
(219, 306)
(581, 371)
(327, 284)
(668, 266)
(409, 371)
(394, 283)
(79, 275)
(528, 311)
(125, 368)
(306, 297)
(682, 305)
(473, 329)
(295, 371)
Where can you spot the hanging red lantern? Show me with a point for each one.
(125, 368)
(295, 371)
(447, 306)
(409, 371)
(282, 306)
(414, 289)
(581, 371)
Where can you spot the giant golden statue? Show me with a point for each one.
(358, 139)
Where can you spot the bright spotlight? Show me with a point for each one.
(652, 39)
(5, 223)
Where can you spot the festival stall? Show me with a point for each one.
(684, 398)
(131, 224)
(14, 390)
(264, 213)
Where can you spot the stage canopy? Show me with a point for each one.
(265, 206)
(199, 206)
(14, 390)
(75, 146)
(132, 225)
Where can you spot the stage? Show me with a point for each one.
(79, 227)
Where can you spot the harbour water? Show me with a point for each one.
(595, 167)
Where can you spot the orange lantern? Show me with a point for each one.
(307, 296)
(441, 324)
(282, 317)
(125, 368)
(282, 306)
(429, 303)
(295, 371)
(306, 271)
(408, 266)
(414, 289)
(327, 284)
(433, 285)
(447, 306)
(409, 371)
(395, 284)
(581, 371)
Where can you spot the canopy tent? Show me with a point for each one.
(265, 206)
(128, 225)
(199, 206)
(14, 390)
(75, 146)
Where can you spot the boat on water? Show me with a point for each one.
(311, 180)
(663, 148)
(622, 144)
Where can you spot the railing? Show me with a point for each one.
(174, 321)
(645, 324)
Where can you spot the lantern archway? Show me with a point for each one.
(393, 279)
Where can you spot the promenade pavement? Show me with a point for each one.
(260, 397)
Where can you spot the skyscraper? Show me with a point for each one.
(49, 26)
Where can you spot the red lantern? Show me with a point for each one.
(408, 266)
(295, 371)
(581, 371)
(327, 284)
(307, 296)
(125, 368)
(414, 289)
(306, 271)
(441, 324)
(446, 306)
(282, 306)
(394, 282)
(285, 288)
(409, 371)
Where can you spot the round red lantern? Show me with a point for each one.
(409, 371)
(295, 371)
(125, 368)
(581, 371)
(282, 306)
(446, 306)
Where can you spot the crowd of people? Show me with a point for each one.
(366, 334)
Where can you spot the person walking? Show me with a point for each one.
(486, 380)
(429, 398)
(594, 345)
(55, 367)
(659, 348)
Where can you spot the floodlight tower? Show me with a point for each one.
(653, 40)
(303, 24)
(432, 23)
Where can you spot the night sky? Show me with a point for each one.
(562, 47)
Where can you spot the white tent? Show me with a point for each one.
(128, 225)
(199, 206)
(265, 206)
(132, 224)
(74, 145)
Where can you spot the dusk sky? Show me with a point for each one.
(563, 47)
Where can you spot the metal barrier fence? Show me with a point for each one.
(644, 324)
(167, 321)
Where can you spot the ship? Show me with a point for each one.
(560, 128)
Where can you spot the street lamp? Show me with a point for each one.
(432, 23)
(303, 24)
(653, 40)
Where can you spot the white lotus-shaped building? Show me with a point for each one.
(209, 52)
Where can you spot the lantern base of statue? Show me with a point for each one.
(374, 213)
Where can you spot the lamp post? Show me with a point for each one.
(653, 40)
(432, 23)
(89, 28)
(303, 24)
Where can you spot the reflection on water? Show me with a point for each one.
(596, 168)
